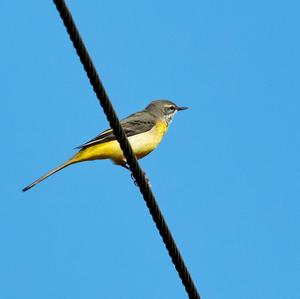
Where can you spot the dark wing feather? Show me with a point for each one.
(132, 125)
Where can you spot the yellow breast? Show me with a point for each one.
(142, 144)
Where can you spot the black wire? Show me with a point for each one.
(136, 170)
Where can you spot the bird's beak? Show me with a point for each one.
(182, 108)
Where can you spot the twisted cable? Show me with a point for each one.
(132, 162)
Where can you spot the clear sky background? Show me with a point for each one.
(226, 176)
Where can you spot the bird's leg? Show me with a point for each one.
(127, 167)
(147, 179)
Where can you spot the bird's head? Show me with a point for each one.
(164, 109)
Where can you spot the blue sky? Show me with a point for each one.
(226, 176)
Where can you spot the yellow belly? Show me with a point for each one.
(142, 144)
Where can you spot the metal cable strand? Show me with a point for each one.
(136, 170)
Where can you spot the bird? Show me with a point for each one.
(144, 130)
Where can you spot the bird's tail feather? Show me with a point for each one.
(60, 167)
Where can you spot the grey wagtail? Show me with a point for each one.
(144, 129)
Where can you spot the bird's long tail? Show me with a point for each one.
(60, 167)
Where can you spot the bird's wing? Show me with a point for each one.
(132, 125)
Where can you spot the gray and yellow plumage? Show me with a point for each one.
(144, 130)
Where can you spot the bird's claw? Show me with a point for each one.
(135, 182)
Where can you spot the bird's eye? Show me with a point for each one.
(171, 108)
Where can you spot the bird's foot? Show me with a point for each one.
(134, 180)
(147, 179)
